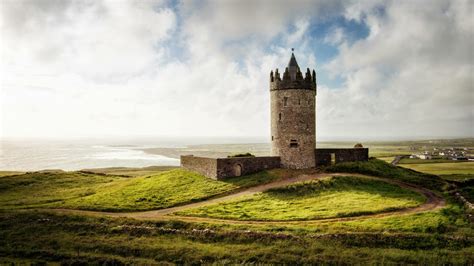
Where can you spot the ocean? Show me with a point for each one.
(69, 155)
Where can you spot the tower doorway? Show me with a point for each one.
(333, 158)
(237, 170)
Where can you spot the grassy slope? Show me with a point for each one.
(116, 193)
(164, 190)
(458, 177)
(334, 197)
(441, 237)
(130, 171)
(380, 168)
(10, 173)
(386, 159)
(45, 189)
(37, 237)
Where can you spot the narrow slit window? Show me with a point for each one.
(299, 101)
(279, 116)
(285, 101)
(293, 143)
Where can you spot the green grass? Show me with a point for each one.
(84, 190)
(33, 237)
(458, 177)
(387, 159)
(467, 192)
(128, 171)
(380, 168)
(339, 196)
(449, 220)
(46, 189)
(443, 168)
(426, 222)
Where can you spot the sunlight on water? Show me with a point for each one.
(32, 156)
(36, 155)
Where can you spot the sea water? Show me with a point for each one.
(34, 155)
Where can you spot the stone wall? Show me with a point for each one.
(222, 168)
(323, 156)
(202, 165)
(237, 166)
(293, 127)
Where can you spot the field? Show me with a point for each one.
(339, 196)
(381, 149)
(350, 213)
(443, 168)
(420, 161)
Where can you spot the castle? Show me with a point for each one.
(293, 132)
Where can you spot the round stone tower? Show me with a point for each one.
(293, 116)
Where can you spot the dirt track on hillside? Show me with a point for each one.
(433, 202)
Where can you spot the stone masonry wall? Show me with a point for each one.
(293, 128)
(202, 165)
(222, 168)
(228, 167)
(323, 156)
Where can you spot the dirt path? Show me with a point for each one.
(433, 202)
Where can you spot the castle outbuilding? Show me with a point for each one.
(293, 132)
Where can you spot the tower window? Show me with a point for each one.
(299, 101)
(272, 138)
(279, 116)
(285, 101)
(293, 143)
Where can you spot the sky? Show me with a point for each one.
(111, 68)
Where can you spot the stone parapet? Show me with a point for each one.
(330, 156)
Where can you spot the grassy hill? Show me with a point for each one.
(339, 196)
(29, 234)
(98, 191)
(380, 168)
(44, 237)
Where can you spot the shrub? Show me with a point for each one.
(241, 155)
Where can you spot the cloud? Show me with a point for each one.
(411, 76)
(200, 68)
(96, 39)
(335, 37)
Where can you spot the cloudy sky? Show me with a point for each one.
(93, 68)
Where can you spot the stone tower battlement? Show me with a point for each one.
(293, 116)
(293, 78)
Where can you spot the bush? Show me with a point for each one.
(241, 155)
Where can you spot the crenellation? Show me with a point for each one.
(277, 75)
(308, 77)
(286, 75)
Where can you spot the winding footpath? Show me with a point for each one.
(433, 202)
